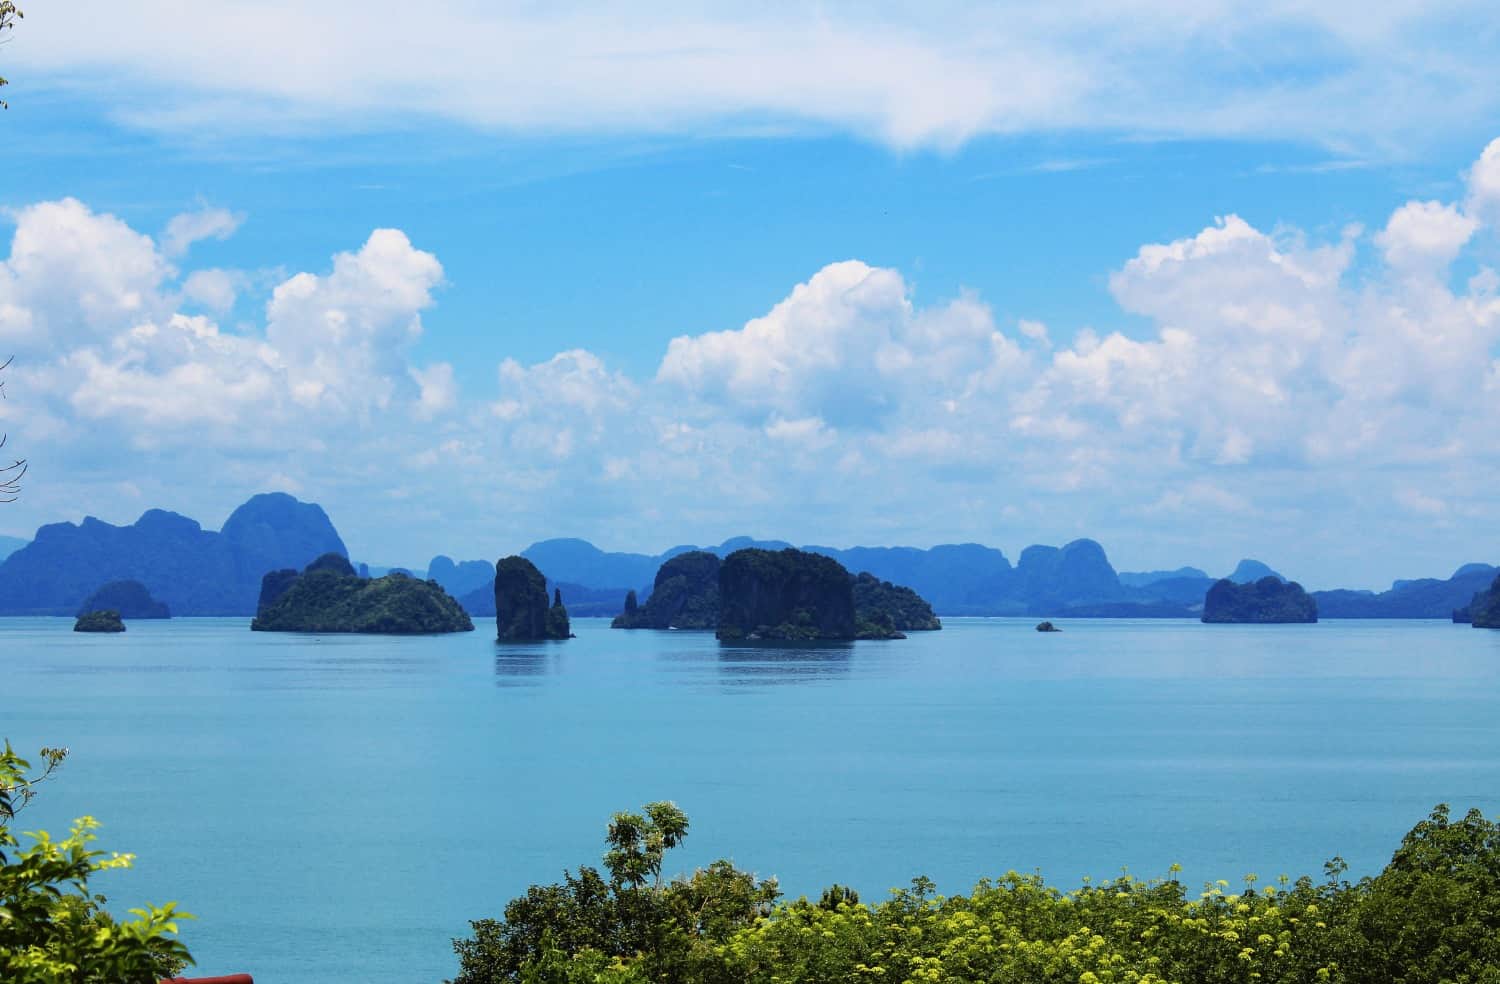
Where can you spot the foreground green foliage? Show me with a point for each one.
(53, 930)
(329, 597)
(1433, 915)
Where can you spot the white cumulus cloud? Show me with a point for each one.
(1425, 236)
(1269, 384)
(190, 227)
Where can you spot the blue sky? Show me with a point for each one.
(1200, 282)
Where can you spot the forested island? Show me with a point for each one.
(891, 606)
(1483, 612)
(1266, 601)
(329, 596)
(795, 595)
(684, 595)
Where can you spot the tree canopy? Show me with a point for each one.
(53, 929)
(1429, 916)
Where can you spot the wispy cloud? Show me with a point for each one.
(1316, 167)
(1056, 165)
(1338, 74)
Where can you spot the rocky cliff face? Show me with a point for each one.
(785, 594)
(558, 625)
(521, 610)
(685, 595)
(192, 570)
(129, 598)
(273, 586)
(329, 597)
(1265, 601)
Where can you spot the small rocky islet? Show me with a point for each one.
(102, 621)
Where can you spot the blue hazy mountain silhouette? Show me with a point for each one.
(193, 570)
(957, 579)
(1422, 598)
(201, 572)
(1139, 579)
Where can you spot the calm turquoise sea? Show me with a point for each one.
(337, 808)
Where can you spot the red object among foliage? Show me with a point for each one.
(226, 979)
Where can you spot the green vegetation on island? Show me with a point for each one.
(328, 596)
(53, 928)
(685, 595)
(1483, 612)
(521, 610)
(130, 598)
(101, 621)
(1267, 600)
(1429, 916)
(881, 603)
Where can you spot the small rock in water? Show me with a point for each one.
(1047, 627)
(101, 621)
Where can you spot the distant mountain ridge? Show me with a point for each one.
(957, 579)
(201, 572)
(1139, 579)
(1422, 598)
(193, 570)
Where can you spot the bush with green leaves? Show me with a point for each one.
(53, 929)
(1431, 916)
